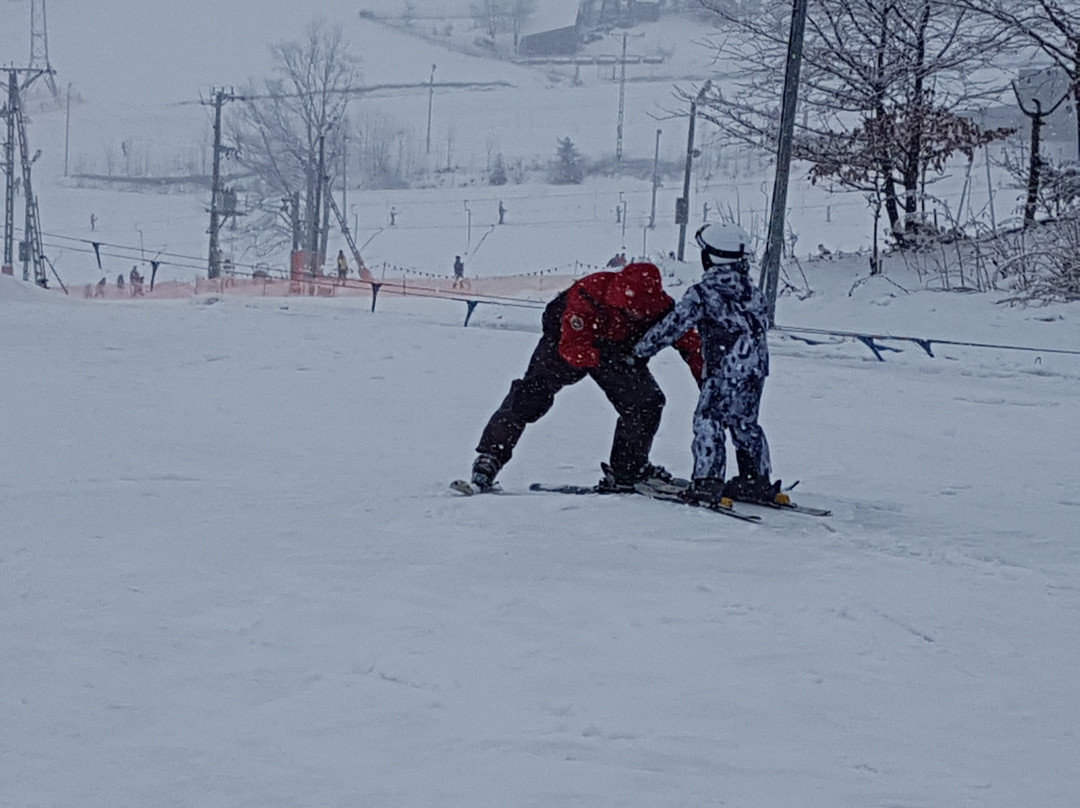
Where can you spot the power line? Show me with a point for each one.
(365, 90)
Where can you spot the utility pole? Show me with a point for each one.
(682, 209)
(468, 227)
(316, 218)
(214, 267)
(344, 172)
(622, 105)
(219, 99)
(293, 203)
(625, 216)
(9, 171)
(67, 130)
(430, 99)
(770, 266)
(655, 181)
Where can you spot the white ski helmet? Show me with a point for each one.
(722, 243)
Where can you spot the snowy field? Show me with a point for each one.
(232, 574)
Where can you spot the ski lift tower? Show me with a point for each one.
(39, 45)
(30, 249)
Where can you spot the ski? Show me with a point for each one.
(667, 493)
(468, 489)
(791, 507)
(661, 491)
(463, 487)
(781, 503)
(570, 489)
(593, 489)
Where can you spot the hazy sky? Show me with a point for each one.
(148, 52)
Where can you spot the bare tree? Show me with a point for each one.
(289, 129)
(386, 153)
(519, 12)
(1049, 26)
(490, 16)
(880, 80)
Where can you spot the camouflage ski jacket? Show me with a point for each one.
(731, 316)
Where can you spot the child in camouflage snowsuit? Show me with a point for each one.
(731, 316)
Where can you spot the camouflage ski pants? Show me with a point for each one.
(726, 405)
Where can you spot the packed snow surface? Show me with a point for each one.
(232, 573)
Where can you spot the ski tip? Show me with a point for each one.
(463, 487)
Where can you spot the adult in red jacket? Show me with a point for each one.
(590, 330)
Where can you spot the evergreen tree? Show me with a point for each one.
(498, 172)
(567, 168)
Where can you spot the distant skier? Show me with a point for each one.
(459, 273)
(502, 212)
(342, 266)
(136, 282)
(732, 318)
(589, 330)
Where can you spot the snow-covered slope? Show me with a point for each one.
(231, 573)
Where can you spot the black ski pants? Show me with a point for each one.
(630, 387)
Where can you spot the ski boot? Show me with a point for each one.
(610, 484)
(659, 477)
(754, 488)
(707, 491)
(649, 474)
(484, 469)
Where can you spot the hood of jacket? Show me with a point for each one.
(729, 279)
(638, 290)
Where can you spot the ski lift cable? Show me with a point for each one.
(926, 343)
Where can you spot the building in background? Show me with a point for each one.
(554, 29)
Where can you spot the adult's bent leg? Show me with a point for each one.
(529, 399)
(639, 401)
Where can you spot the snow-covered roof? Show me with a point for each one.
(551, 15)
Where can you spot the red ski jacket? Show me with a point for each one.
(608, 310)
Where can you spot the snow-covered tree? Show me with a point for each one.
(1049, 27)
(519, 12)
(567, 169)
(490, 16)
(880, 82)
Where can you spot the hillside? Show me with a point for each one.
(136, 110)
(231, 572)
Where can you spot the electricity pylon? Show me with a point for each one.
(30, 250)
(39, 45)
